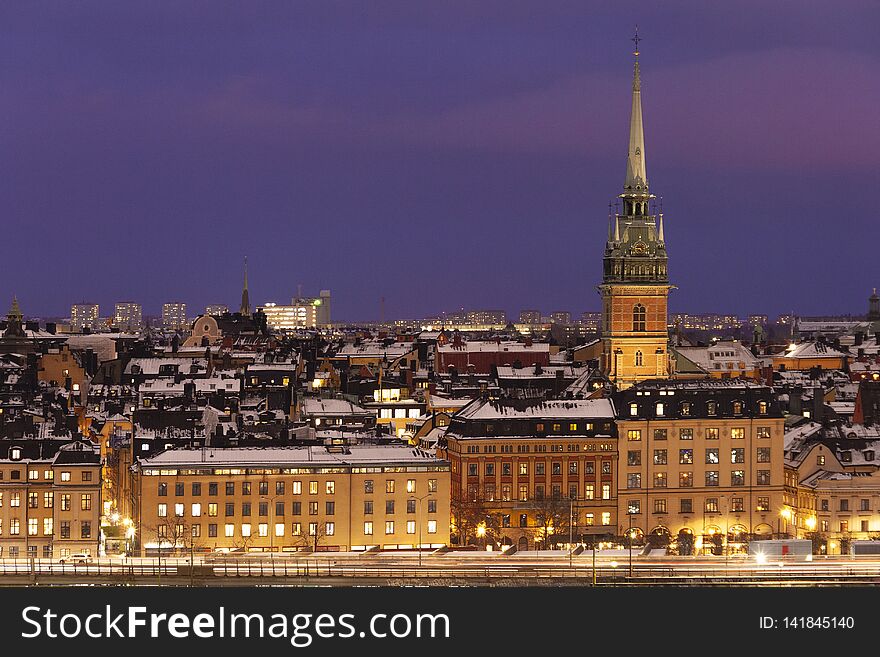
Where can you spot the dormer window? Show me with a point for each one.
(686, 408)
(712, 408)
(762, 408)
(737, 408)
(15, 453)
(633, 409)
(659, 409)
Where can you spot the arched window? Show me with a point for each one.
(638, 317)
(762, 408)
(638, 358)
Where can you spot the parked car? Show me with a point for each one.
(76, 558)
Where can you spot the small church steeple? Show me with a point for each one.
(245, 298)
(874, 307)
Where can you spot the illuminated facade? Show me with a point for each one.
(50, 499)
(291, 499)
(83, 315)
(128, 316)
(174, 316)
(531, 466)
(635, 283)
(702, 463)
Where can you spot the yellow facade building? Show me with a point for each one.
(701, 464)
(289, 499)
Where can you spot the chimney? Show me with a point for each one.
(859, 337)
(818, 404)
(51, 327)
(795, 402)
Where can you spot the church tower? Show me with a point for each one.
(635, 283)
(245, 308)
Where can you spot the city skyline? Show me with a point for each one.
(217, 146)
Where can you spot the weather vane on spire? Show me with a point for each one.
(636, 40)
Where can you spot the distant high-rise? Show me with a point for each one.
(303, 312)
(83, 315)
(216, 309)
(174, 316)
(323, 308)
(561, 317)
(245, 308)
(530, 317)
(128, 316)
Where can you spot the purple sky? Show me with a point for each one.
(456, 155)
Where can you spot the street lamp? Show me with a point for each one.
(785, 514)
(630, 535)
(271, 523)
(419, 522)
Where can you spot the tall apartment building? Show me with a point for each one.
(128, 316)
(486, 317)
(83, 315)
(216, 309)
(174, 316)
(50, 498)
(530, 317)
(701, 463)
(303, 312)
(561, 317)
(290, 499)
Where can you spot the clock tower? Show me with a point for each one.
(635, 283)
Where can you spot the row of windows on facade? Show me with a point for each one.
(710, 505)
(540, 468)
(686, 479)
(686, 456)
(541, 449)
(554, 427)
(686, 408)
(589, 519)
(32, 551)
(296, 487)
(33, 500)
(864, 505)
(280, 508)
(711, 433)
(490, 491)
(48, 525)
(48, 475)
(245, 530)
(824, 526)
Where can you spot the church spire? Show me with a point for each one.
(636, 174)
(245, 299)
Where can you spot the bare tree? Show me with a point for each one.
(551, 520)
(468, 515)
(312, 539)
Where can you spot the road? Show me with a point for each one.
(452, 568)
